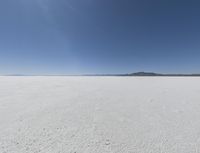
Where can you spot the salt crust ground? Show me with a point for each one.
(99, 115)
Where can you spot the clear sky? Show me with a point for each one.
(99, 36)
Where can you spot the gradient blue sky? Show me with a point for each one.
(99, 36)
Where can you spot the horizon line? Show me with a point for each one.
(142, 73)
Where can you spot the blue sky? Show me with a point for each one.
(99, 36)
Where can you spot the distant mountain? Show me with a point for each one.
(145, 74)
(158, 74)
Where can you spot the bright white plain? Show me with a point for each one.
(99, 114)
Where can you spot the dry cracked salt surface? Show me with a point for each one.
(99, 114)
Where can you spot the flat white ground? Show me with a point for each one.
(99, 115)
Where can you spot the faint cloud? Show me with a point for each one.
(44, 5)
